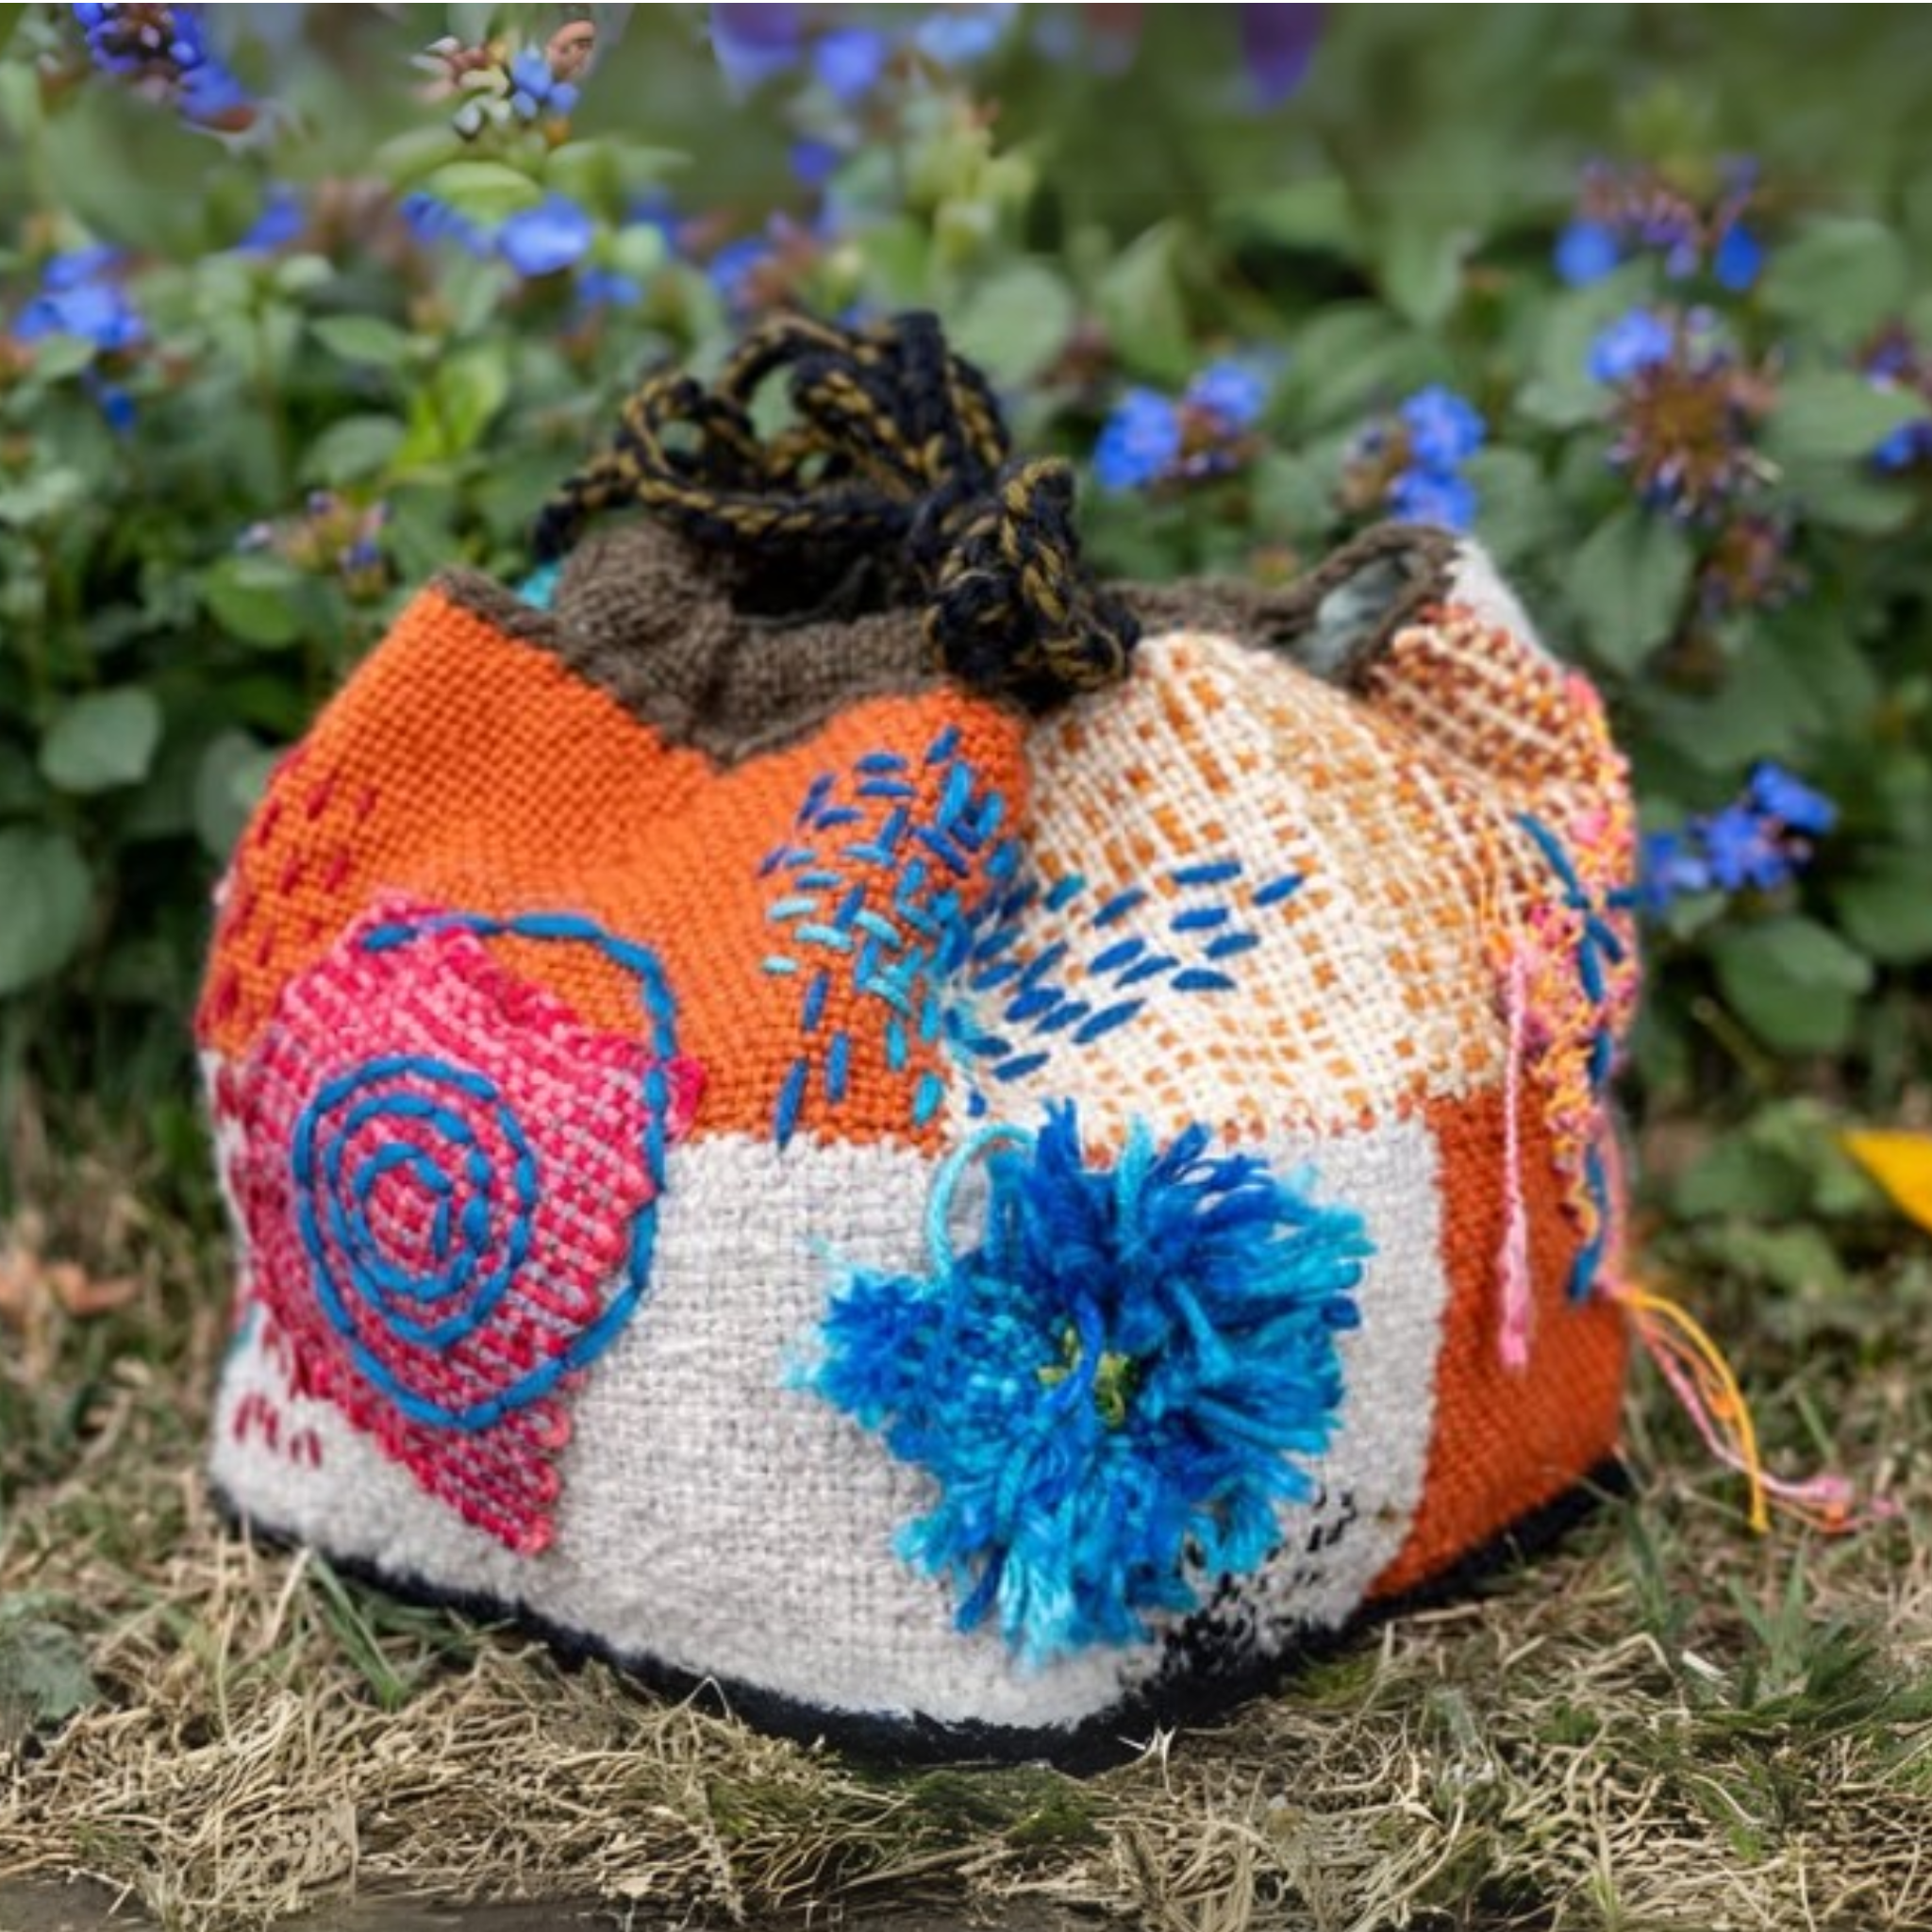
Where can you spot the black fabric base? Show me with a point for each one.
(1202, 1690)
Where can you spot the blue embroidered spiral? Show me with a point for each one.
(418, 1270)
(447, 1132)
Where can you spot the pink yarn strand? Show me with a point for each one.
(1514, 1265)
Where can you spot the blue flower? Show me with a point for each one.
(756, 44)
(1115, 1389)
(1430, 496)
(1587, 251)
(1671, 868)
(77, 266)
(278, 223)
(210, 95)
(75, 299)
(849, 60)
(1444, 429)
(543, 240)
(1633, 342)
(168, 47)
(535, 90)
(959, 36)
(607, 288)
(1231, 393)
(1779, 794)
(1909, 444)
(1739, 258)
(432, 220)
(813, 162)
(1278, 43)
(732, 268)
(1140, 442)
(1743, 849)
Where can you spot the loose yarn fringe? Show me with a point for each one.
(1704, 1383)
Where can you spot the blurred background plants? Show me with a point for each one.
(298, 305)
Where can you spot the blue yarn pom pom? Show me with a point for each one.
(1112, 1388)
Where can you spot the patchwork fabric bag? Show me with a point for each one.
(821, 1105)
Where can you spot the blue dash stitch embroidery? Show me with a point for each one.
(930, 915)
(1579, 973)
(1115, 1388)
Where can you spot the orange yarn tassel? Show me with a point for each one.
(1702, 1380)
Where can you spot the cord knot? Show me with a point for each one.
(897, 453)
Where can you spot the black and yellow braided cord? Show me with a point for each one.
(897, 444)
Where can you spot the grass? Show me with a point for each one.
(1671, 1723)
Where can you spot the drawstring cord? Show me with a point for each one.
(899, 447)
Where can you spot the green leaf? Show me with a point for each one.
(43, 498)
(1886, 908)
(1825, 415)
(1841, 278)
(1421, 265)
(234, 773)
(1734, 1175)
(1561, 393)
(1793, 982)
(1516, 510)
(353, 449)
(365, 339)
(1850, 496)
(1628, 581)
(485, 192)
(1794, 1260)
(60, 356)
(1290, 496)
(47, 893)
(1353, 356)
(103, 740)
(1316, 213)
(639, 251)
(453, 411)
(1015, 322)
(1139, 300)
(45, 1676)
(405, 160)
(257, 599)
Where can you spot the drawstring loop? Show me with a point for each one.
(898, 447)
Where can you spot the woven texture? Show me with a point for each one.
(718, 1007)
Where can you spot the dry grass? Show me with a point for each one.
(1669, 1723)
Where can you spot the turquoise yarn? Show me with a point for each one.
(539, 588)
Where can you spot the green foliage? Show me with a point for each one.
(203, 529)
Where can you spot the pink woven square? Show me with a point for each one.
(448, 1185)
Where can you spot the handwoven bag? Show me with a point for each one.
(819, 1105)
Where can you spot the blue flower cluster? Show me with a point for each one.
(1760, 840)
(1627, 213)
(757, 44)
(1636, 340)
(82, 296)
(547, 239)
(1111, 1389)
(281, 220)
(1686, 411)
(535, 92)
(1149, 438)
(165, 50)
(1438, 431)
(553, 236)
(1894, 362)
